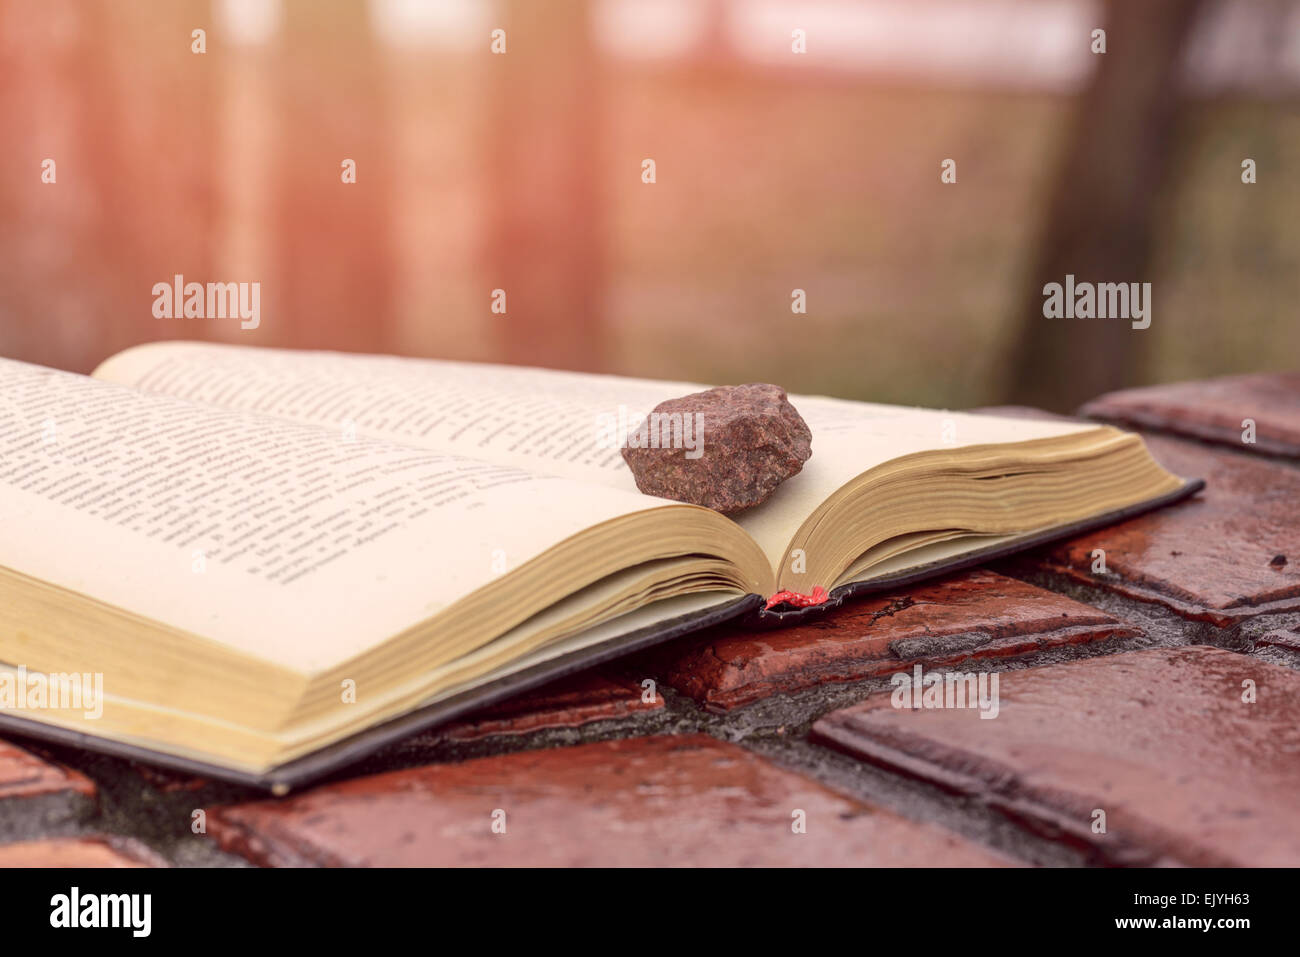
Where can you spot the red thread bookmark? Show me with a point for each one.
(819, 595)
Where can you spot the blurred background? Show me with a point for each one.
(774, 171)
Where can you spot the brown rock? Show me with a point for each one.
(726, 449)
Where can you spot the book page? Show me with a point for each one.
(539, 419)
(293, 544)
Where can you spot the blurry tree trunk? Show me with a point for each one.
(715, 41)
(335, 274)
(51, 274)
(712, 62)
(544, 243)
(1101, 210)
(155, 144)
(115, 98)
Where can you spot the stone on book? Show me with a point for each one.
(726, 449)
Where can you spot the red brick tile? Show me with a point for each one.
(24, 775)
(166, 781)
(1161, 740)
(1282, 639)
(79, 852)
(1230, 552)
(972, 615)
(1214, 410)
(689, 800)
(570, 703)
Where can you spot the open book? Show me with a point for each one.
(277, 560)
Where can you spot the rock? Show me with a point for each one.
(727, 448)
